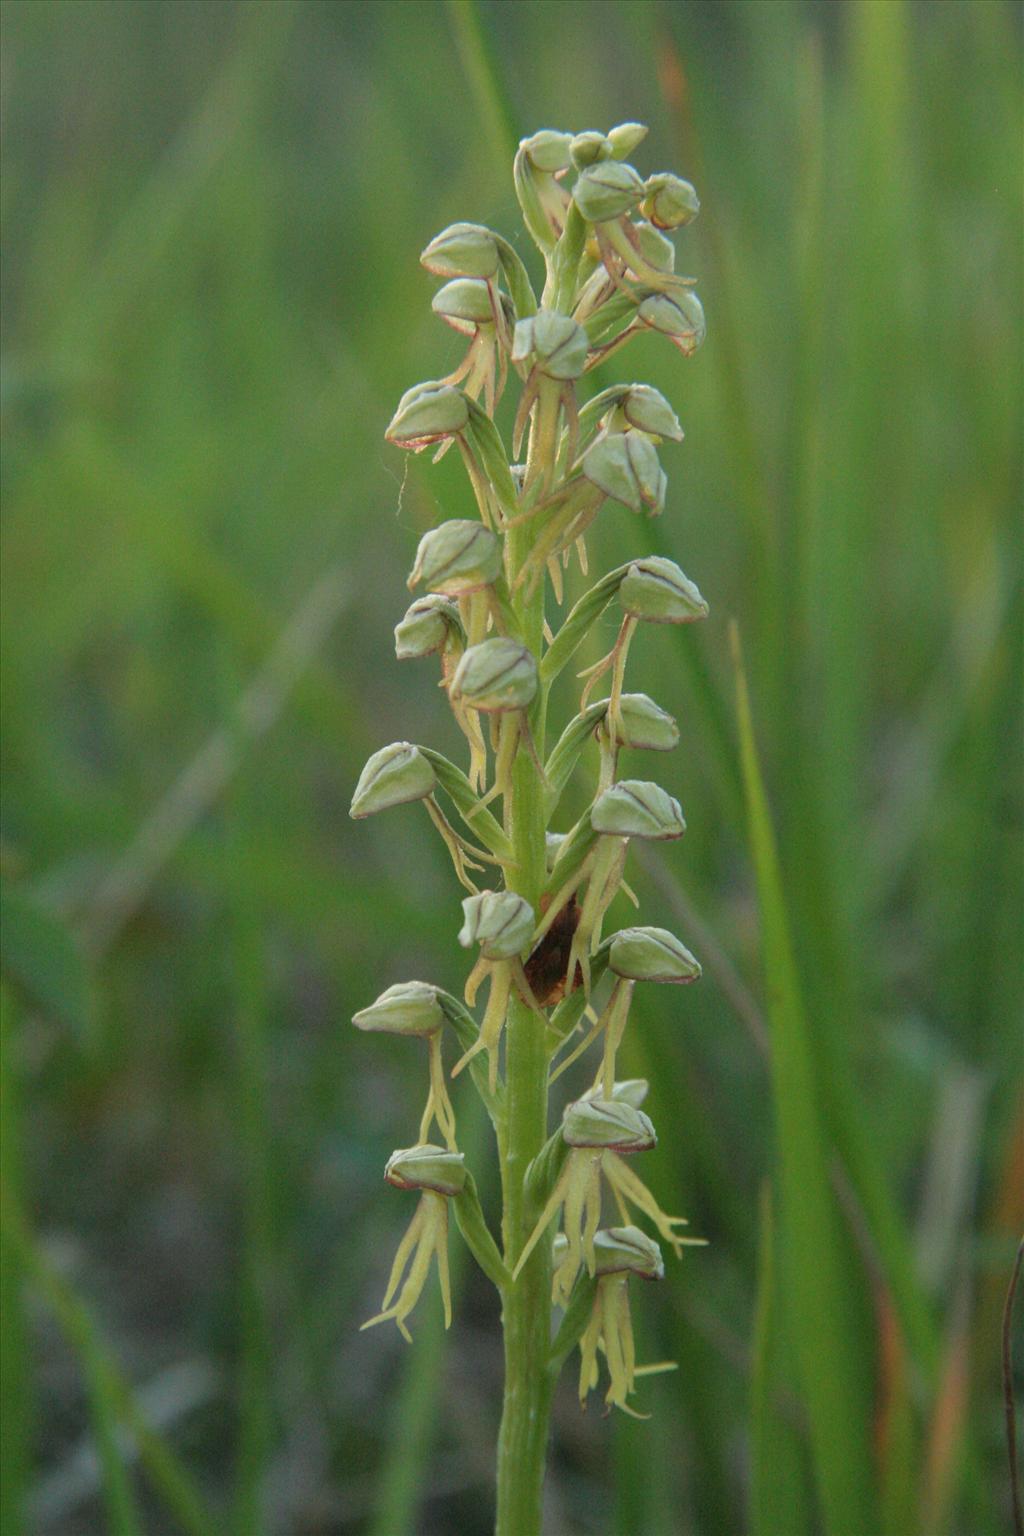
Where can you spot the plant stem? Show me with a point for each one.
(526, 1316)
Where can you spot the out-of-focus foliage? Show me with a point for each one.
(212, 213)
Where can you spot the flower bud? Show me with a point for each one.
(426, 414)
(457, 557)
(393, 776)
(555, 343)
(589, 148)
(464, 303)
(669, 202)
(637, 808)
(607, 190)
(496, 675)
(656, 590)
(625, 466)
(680, 318)
(462, 250)
(647, 409)
(427, 626)
(607, 1123)
(501, 922)
(627, 1250)
(625, 137)
(651, 954)
(408, 1008)
(552, 846)
(645, 725)
(548, 150)
(427, 1167)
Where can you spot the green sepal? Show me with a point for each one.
(473, 1225)
(637, 808)
(396, 775)
(625, 137)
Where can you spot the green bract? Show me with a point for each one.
(656, 590)
(429, 624)
(457, 557)
(637, 808)
(496, 675)
(651, 954)
(407, 1008)
(393, 776)
(427, 1167)
(501, 922)
(611, 1124)
(656, 249)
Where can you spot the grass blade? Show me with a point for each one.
(111, 1400)
(779, 1494)
(821, 1302)
(15, 1396)
(484, 81)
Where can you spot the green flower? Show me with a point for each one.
(656, 590)
(496, 675)
(457, 557)
(395, 775)
(428, 413)
(669, 201)
(607, 190)
(651, 954)
(637, 808)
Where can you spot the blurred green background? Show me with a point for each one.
(212, 214)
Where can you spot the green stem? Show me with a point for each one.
(526, 1312)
